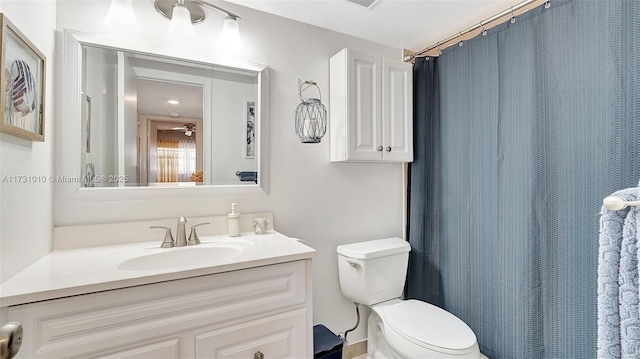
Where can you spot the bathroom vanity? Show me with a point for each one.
(137, 300)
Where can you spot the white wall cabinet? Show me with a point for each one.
(262, 312)
(371, 108)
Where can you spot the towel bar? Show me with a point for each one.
(616, 203)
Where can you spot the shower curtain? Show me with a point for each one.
(519, 135)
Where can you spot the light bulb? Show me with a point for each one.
(230, 39)
(121, 16)
(180, 29)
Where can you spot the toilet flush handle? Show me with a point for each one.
(353, 264)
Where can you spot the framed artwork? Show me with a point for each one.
(250, 144)
(86, 118)
(22, 84)
(88, 178)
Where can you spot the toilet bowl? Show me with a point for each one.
(373, 273)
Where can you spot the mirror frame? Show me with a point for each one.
(68, 130)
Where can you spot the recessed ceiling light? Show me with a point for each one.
(173, 101)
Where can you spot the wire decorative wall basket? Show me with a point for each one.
(311, 116)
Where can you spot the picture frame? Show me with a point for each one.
(86, 122)
(22, 84)
(250, 130)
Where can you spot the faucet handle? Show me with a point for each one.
(168, 238)
(193, 237)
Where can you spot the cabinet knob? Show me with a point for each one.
(258, 355)
(379, 148)
(388, 148)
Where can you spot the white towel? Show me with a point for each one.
(618, 291)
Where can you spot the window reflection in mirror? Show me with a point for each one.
(150, 121)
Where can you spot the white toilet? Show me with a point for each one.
(373, 273)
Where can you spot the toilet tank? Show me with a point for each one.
(373, 271)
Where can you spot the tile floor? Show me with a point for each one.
(356, 350)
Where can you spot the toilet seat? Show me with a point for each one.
(426, 326)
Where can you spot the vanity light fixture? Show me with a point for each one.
(173, 101)
(311, 116)
(193, 10)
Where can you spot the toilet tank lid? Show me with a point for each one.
(374, 249)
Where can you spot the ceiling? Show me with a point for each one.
(406, 24)
(153, 96)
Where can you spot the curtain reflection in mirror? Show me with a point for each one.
(167, 161)
(176, 160)
(186, 160)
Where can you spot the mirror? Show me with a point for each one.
(179, 124)
(143, 118)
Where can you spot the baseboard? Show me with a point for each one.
(354, 350)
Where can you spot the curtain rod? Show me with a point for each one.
(495, 20)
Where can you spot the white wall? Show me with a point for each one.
(26, 219)
(324, 203)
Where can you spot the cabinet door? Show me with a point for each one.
(365, 107)
(397, 85)
(277, 336)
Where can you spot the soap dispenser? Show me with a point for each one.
(234, 222)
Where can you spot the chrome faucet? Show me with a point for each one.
(181, 232)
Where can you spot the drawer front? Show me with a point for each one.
(276, 337)
(97, 322)
(162, 350)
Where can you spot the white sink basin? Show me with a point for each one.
(175, 258)
(164, 259)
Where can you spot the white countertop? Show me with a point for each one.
(65, 273)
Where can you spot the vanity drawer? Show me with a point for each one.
(279, 336)
(167, 349)
(99, 322)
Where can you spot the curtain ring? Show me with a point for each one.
(484, 31)
(547, 4)
(513, 17)
(460, 42)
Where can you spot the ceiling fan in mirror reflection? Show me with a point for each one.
(187, 128)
